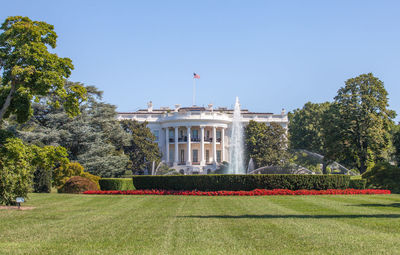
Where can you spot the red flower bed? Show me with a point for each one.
(256, 192)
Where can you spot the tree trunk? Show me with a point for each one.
(7, 102)
(324, 165)
(363, 166)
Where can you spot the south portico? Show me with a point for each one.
(194, 147)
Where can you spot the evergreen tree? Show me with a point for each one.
(142, 149)
(94, 138)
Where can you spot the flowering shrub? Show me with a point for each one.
(256, 192)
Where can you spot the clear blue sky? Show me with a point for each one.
(272, 54)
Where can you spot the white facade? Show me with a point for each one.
(195, 139)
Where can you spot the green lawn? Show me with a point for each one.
(83, 224)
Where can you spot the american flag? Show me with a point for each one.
(196, 76)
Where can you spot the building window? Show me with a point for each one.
(171, 134)
(208, 134)
(207, 156)
(195, 134)
(218, 156)
(181, 134)
(156, 134)
(195, 156)
(218, 134)
(182, 156)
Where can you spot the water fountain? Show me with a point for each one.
(236, 154)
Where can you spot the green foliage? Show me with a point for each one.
(357, 184)
(396, 143)
(266, 144)
(46, 160)
(357, 125)
(384, 176)
(16, 170)
(42, 181)
(30, 71)
(302, 159)
(116, 184)
(142, 149)
(242, 182)
(305, 127)
(78, 184)
(94, 138)
(65, 172)
(21, 164)
(92, 177)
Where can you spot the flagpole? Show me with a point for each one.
(194, 91)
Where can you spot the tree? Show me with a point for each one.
(142, 149)
(16, 170)
(266, 144)
(396, 143)
(305, 127)
(94, 138)
(30, 71)
(383, 176)
(358, 123)
(46, 159)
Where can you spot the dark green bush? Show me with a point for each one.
(357, 184)
(116, 184)
(242, 182)
(383, 176)
(42, 181)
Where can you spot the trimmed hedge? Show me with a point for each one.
(116, 184)
(357, 184)
(235, 182)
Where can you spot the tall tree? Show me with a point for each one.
(396, 143)
(142, 149)
(30, 71)
(95, 138)
(305, 127)
(360, 122)
(266, 144)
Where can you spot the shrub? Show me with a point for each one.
(357, 184)
(78, 184)
(384, 176)
(16, 170)
(42, 180)
(63, 173)
(242, 182)
(116, 184)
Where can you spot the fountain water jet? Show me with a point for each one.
(236, 154)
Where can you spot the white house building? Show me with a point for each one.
(195, 139)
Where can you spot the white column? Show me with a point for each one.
(166, 145)
(176, 147)
(189, 157)
(223, 144)
(202, 162)
(214, 144)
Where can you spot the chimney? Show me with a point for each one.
(150, 106)
(283, 111)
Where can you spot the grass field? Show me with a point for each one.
(90, 224)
